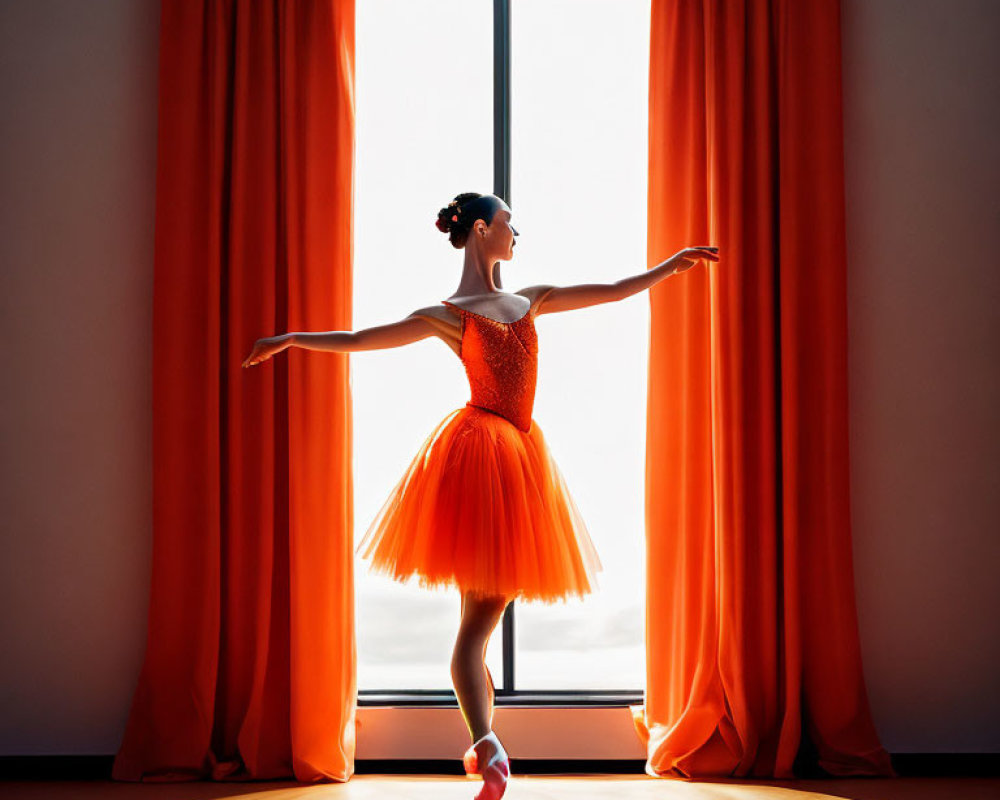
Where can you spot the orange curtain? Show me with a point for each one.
(249, 669)
(753, 658)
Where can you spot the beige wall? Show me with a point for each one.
(922, 113)
(77, 147)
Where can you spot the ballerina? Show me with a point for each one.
(482, 505)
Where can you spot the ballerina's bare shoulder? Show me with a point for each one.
(506, 307)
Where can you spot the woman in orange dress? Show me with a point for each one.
(482, 505)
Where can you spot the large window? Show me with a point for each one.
(425, 132)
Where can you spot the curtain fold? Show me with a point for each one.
(250, 662)
(753, 657)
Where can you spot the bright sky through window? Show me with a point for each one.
(579, 149)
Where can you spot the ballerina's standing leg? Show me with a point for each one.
(474, 690)
(471, 676)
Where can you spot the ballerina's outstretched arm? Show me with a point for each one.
(378, 337)
(566, 298)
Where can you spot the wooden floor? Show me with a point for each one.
(521, 787)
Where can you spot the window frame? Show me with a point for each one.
(506, 694)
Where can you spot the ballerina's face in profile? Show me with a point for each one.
(495, 242)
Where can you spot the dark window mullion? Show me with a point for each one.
(501, 188)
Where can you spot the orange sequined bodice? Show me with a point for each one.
(501, 361)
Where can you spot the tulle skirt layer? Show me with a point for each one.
(484, 508)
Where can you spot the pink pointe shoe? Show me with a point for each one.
(495, 771)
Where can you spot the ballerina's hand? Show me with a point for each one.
(690, 256)
(264, 348)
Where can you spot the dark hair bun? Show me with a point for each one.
(444, 222)
(453, 220)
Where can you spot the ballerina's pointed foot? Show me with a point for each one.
(488, 751)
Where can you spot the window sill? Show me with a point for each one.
(551, 726)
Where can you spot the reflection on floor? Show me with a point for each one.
(521, 787)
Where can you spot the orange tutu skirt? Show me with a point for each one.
(483, 507)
